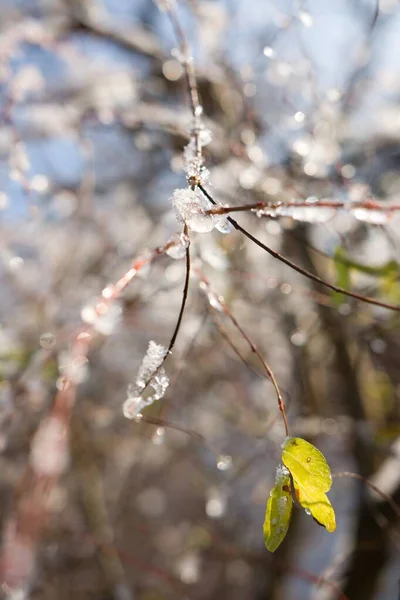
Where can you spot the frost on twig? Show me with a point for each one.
(191, 208)
(192, 156)
(152, 377)
(306, 214)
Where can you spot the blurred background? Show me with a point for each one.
(302, 101)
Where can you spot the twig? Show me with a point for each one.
(349, 206)
(296, 267)
(386, 497)
(180, 316)
(253, 347)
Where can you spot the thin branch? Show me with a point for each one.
(225, 308)
(296, 267)
(184, 298)
(371, 205)
(158, 422)
(180, 316)
(388, 499)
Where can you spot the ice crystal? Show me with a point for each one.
(180, 243)
(193, 161)
(151, 376)
(223, 225)
(305, 214)
(376, 217)
(281, 473)
(191, 208)
(224, 462)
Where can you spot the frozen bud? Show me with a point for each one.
(191, 208)
(180, 244)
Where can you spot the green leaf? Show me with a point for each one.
(312, 479)
(279, 510)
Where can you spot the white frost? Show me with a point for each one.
(190, 207)
(151, 376)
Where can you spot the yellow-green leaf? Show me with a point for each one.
(279, 511)
(317, 505)
(312, 478)
(307, 465)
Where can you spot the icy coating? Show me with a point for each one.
(151, 375)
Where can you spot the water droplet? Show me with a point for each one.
(308, 459)
(224, 462)
(47, 340)
(158, 436)
(299, 338)
(308, 512)
(40, 184)
(180, 244)
(269, 52)
(215, 301)
(216, 503)
(223, 226)
(16, 263)
(299, 117)
(378, 345)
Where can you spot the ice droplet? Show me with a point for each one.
(215, 301)
(158, 436)
(216, 503)
(190, 208)
(375, 217)
(180, 244)
(131, 408)
(151, 378)
(224, 462)
(223, 225)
